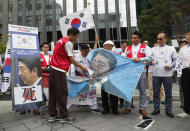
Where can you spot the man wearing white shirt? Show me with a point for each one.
(164, 59)
(162, 95)
(139, 53)
(184, 58)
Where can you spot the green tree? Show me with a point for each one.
(2, 46)
(160, 16)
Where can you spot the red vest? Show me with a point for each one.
(140, 54)
(43, 60)
(60, 57)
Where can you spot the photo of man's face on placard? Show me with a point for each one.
(29, 70)
(103, 62)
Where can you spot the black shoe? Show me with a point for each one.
(121, 105)
(132, 106)
(105, 112)
(182, 105)
(150, 102)
(170, 114)
(115, 112)
(155, 112)
(163, 102)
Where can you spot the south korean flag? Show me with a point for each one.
(81, 20)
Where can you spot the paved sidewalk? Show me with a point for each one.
(87, 121)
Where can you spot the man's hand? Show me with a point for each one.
(97, 38)
(84, 69)
(136, 60)
(168, 67)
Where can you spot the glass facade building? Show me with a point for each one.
(110, 16)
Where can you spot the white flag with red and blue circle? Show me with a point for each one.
(81, 20)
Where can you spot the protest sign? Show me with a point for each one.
(115, 74)
(25, 68)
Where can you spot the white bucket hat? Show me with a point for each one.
(108, 42)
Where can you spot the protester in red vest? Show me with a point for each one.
(60, 64)
(123, 49)
(139, 53)
(45, 57)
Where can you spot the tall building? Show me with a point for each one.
(1, 14)
(114, 19)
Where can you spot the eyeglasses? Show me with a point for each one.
(160, 39)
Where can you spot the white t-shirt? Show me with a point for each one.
(163, 56)
(69, 48)
(82, 60)
(123, 53)
(46, 56)
(136, 48)
(184, 56)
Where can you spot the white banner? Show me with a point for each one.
(81, 20)
(23, 29)
(27, 94)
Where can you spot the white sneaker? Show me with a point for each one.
(183, 115)
(67, 120)
(53, 118)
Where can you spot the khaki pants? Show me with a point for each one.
(162, 95)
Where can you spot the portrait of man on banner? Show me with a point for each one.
(103, 62)
(30, 80)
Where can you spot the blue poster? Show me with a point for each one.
(113, 73)
(26, 77)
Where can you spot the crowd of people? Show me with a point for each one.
(161, 61)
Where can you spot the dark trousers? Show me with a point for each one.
(58, 93)
(167, 83)
(121, 100)
(113, 101)
(185, 81)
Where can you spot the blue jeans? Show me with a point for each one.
(142, 86)
(167, 83)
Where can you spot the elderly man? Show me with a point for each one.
(184, 58)
(108, 45)
(164, 60)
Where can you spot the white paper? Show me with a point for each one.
(19, 91)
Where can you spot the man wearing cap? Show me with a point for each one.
(109, 45)
(139, 53)
(86, 98)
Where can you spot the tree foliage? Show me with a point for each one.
(160, 16)
(2, 46)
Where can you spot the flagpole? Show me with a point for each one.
(94, 26)
(97, 35)
(78, 43)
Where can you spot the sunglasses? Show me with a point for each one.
(160, 39)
